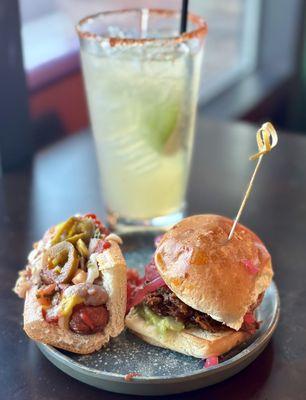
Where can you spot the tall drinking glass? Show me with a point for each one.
(142, 81)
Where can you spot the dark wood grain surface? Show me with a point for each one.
(63, 180)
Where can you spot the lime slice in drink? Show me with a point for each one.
(159, 107)
(161, 122)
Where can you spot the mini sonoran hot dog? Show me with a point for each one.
(74, 286)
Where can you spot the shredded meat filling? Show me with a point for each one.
(165, 303)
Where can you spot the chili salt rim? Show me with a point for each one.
(198, 33)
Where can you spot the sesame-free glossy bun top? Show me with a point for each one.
(219, 277)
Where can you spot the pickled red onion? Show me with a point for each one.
(138, 288)
(139, 293)
(211, 362)
(250, 266)
(133, 277)
(151, 271)
(249, 318)
(129, 377)
(154, 284)
(157, 240)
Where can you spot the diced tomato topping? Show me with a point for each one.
(106, 245)
(102, 228)
(250, 266)
(89, 215)
(211, 362)
(101, 246)
(98, 223)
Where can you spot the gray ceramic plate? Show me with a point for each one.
(161, 371)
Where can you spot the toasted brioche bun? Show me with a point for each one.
(192, 342)
(113, 267)
(208, 273)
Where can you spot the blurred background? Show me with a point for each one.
(254, 68)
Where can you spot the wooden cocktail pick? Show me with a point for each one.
(266, 138)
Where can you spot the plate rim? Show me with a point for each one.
(260, 342)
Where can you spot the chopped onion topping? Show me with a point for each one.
(79, 277)
(92, 269)
(92, 245)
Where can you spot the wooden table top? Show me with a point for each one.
(63, 180)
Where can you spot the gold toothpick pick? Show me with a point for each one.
(267, 139)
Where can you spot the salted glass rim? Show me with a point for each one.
(198, 33)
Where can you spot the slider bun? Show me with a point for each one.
(113, 269)
(208, 273)
(192, 342)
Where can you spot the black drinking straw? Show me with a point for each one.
(184, 15)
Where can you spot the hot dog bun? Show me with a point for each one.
(113, 268)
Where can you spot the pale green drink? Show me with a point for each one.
(142, 100)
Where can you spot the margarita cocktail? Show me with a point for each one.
(142, 88)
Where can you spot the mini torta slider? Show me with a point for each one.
(208, 276)
(208, 288)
